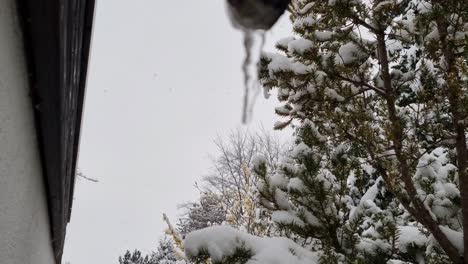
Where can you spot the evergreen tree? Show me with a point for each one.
(135, 258)
(165, 253)
(378, 93)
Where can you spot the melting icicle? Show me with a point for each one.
(249, 70)
(248, 43)
(253, 17)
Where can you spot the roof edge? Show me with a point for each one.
(57, 36)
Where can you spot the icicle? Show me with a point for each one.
(253, 17)
(248, 43)
(249, 70)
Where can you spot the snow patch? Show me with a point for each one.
(410, 236)
(223, 241)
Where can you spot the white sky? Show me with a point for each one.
(164, 79)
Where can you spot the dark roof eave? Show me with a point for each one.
(57, 36)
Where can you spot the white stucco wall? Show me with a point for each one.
(24, 224)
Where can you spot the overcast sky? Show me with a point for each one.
(164, 79)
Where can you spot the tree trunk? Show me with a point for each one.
(455, 95)
(418, 210)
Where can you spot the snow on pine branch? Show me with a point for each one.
(224, 243)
